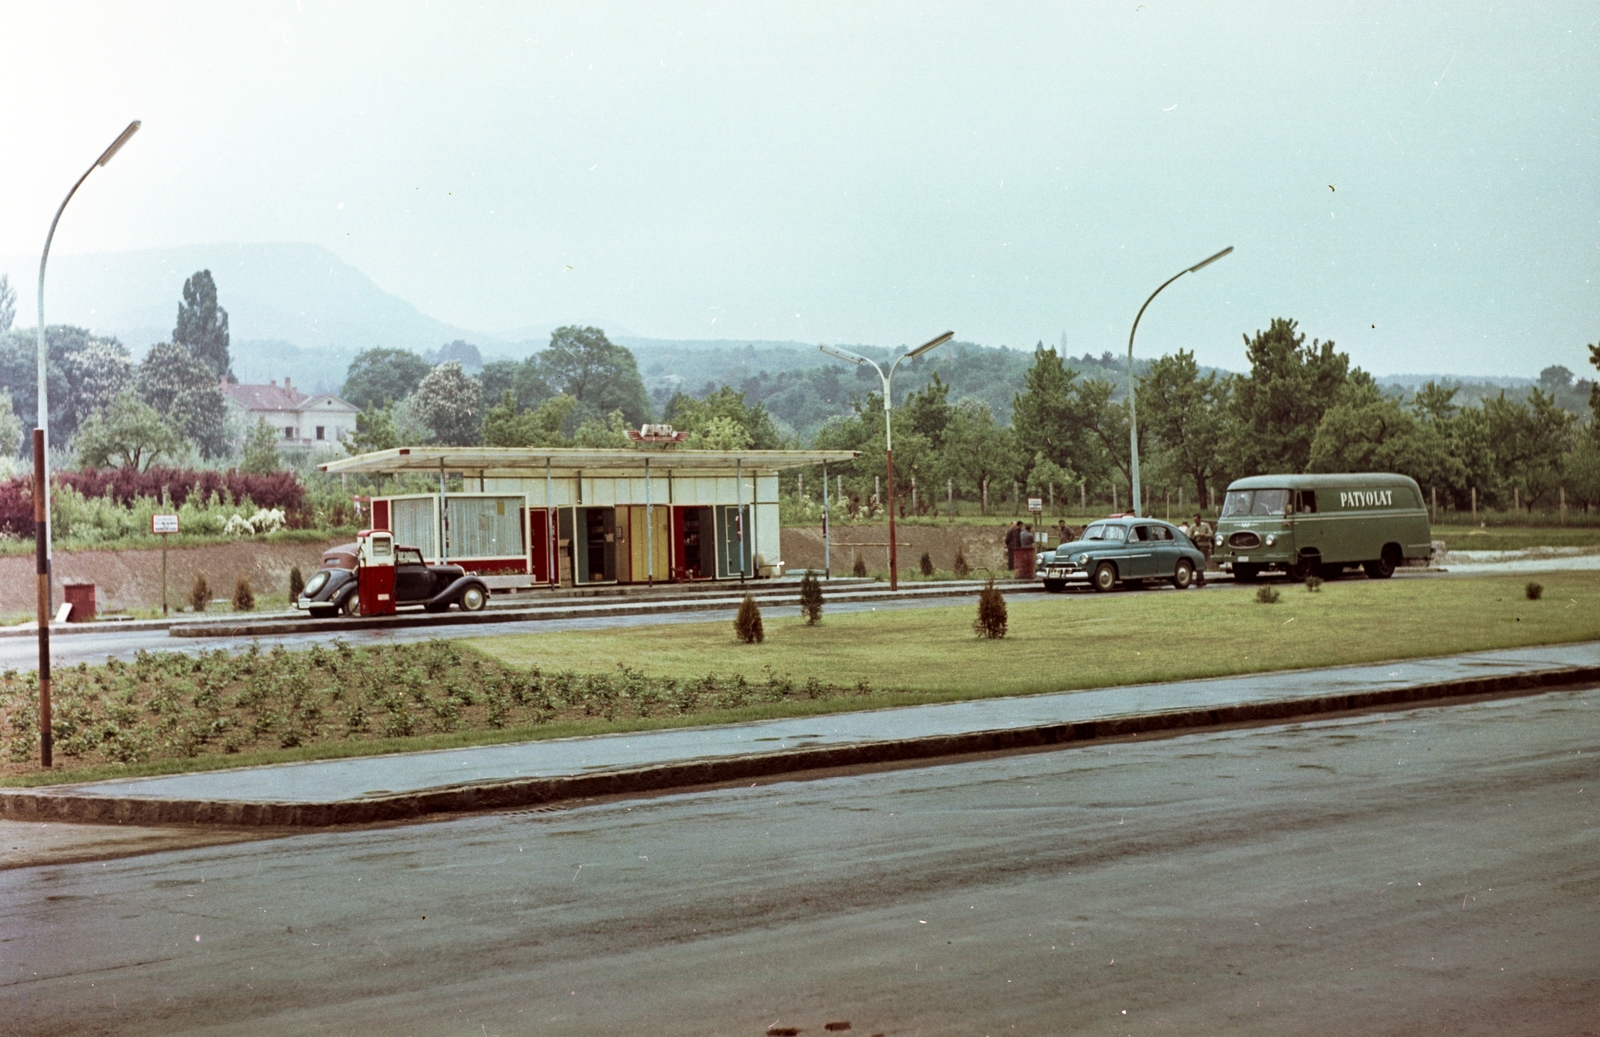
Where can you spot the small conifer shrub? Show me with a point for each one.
(244, 599)
(961, 568)
(747, 624)
(1313, 583)
(860, 568)
(1267, 595)
(1534, 591)
(200, 593)
(297, 583)
(811, 598)
(991, 621)
(926, 564)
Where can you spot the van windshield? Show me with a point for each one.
(1105, 531)
(1244, 503)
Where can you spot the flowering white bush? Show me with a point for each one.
(263, 521)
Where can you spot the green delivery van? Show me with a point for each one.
(1322, 524)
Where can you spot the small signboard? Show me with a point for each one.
(163, 523)
(1035, 504)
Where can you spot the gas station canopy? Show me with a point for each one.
(523, 462)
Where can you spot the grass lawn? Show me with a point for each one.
(1516, 538)
(1088, 640)
(167, 713)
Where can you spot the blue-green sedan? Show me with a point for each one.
(1123, 550)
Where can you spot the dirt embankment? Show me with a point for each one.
(983, 545)
(132, 579)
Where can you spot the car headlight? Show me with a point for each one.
(315, 584)
(1271, 539)
(1219, 539)
(1083, 558)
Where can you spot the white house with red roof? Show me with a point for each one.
(322, 420)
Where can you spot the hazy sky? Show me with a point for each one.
(857, 172)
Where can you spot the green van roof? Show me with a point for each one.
(1335, 481)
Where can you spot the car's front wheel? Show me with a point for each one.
(1183, 575)
(473, 599)
(1105, 576)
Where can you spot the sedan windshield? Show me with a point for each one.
(1242, 503)
(1105, 531)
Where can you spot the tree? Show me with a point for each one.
(202, 326)
(8, 303)
(1529, 441)
(503, 425)
(1376, 435)
(450, 403)
(498, 376)
(375, 430)
(1555, 378)
(602, 377)
(127, 434)
(10, 428)
(1277, 407)
(1047, 416)
(725, 408)
(747, 624)
(97, 373)
(261, 450)
(977, 450)
(379, 377)
(1436, 403)
(84, 371)
(1187, 415)
(464, 353)
(185, 391)
(1594, 389)
(811, 598)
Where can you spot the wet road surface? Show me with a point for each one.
(1435, 871)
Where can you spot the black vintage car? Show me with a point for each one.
(332, 590)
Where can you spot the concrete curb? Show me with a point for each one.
(45, 805)
(549, 612)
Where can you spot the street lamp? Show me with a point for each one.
(888, 439)
(1133, 416)
(41, 473)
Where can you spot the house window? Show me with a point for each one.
(322, 432)
(288, 432)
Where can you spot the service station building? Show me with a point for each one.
(564, 517)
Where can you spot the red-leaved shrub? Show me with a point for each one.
(278, 490)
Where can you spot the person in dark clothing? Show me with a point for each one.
(1013, 541)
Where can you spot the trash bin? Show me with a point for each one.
(1023, 558)
(81, 597)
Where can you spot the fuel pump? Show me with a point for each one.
(375, 572)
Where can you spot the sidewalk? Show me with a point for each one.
(505, 776)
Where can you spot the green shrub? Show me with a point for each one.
(297, 583)
(244, 599)
(200, 594)
(747, 624)
(991, 621)
(811, 598)
(926, 564)
(1313, 583)
(1534, 591)
(1267, 595)
(860, 568)
(961, 568)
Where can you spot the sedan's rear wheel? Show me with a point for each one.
(1183, 575)
(351, 605)
(473, 599)
(1105, 576)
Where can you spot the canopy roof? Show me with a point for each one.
(527, 462)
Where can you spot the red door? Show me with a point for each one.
(540, 538)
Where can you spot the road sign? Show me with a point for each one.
(1035, 504)
(163, 523)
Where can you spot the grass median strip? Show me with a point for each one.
(166, 713)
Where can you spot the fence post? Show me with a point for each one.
(1434, 490)
(1016, 502)
(950, 494)
(985, 504)
(1563, 505)
(1083, 496)
(1474, 502)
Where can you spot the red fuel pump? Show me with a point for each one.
(375, 572)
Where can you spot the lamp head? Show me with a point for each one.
(116, 145)
(844, 354)
(930, 344)
(1213, 259)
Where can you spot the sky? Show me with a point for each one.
(1419, 183)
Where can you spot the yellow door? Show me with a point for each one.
(637, 540)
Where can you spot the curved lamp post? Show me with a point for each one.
(1133, 416)
(888, 439)
(41, 473)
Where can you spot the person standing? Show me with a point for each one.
(1065, 532)
(1013, 541)
(1201, 533)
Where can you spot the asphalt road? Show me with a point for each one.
(1429, 871)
